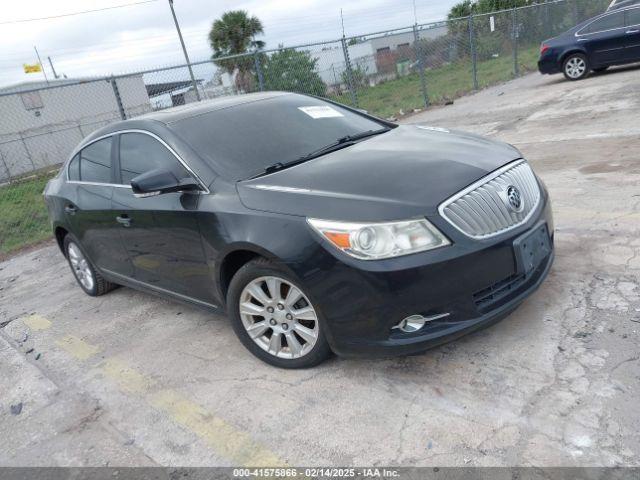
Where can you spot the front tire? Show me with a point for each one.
(274, 318)
(91, 282)
(575, 67)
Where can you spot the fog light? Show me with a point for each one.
(413, 323)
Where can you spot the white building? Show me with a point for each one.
(41, 123)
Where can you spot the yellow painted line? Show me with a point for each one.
(225, 440)
(77, 347)
(129, 379)
(36, 322)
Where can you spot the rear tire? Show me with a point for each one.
(575, 67)
(274, 318)
(91, 282)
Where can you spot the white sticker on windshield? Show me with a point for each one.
(321, 112)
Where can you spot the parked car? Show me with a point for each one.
(317, 227)
(615, 4)
(612, 38)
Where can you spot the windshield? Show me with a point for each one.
(242, 141)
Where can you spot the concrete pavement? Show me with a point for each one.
(129, 379)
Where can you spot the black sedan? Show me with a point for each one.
(317, 227)
(612, 38)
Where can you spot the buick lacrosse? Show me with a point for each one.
(317, 227)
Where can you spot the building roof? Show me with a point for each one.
(155, 89)
(36, 84)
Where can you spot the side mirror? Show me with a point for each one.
(156, 182)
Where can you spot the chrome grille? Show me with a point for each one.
(482, 210)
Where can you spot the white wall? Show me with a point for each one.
(31, 140)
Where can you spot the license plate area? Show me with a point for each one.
(531, 249)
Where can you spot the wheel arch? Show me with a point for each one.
(234, 259)
(60, 233)
(571, 51)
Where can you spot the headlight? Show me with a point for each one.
(371, 241)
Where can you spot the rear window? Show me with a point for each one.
(633, 17)
(241, 141)
(95, 162)
(608, 22)
(74, 168)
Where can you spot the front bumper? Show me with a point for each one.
(476, 282)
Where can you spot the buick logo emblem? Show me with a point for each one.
(514, 199)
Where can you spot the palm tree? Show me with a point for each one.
(233, 34)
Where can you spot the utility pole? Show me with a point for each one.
(41, 65)
(184, 50)
(53, 69)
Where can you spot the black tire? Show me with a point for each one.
(251, 271)
(600, 69)
(572, 73)
(100, 286)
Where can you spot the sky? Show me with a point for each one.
(143, 36)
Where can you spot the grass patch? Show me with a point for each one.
(447, 82)
(23, 214)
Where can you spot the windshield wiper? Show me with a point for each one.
(342, 142)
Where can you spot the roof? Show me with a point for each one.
(34, 85)
(155, 89)
(175, 114)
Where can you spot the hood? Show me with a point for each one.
(406, 172)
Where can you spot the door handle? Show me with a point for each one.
(70, 209)
(633, 31)
(124, 220)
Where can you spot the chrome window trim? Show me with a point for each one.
(482, 181)
(131, 130)
(623, 11)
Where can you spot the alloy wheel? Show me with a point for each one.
(80, 267)
(279, 317)
(575, 67)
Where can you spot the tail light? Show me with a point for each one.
(543, 48)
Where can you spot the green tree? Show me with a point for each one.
(292, 71)
(231, 36)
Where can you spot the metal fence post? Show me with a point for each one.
(6, 167)
(472, 43)
(514, 23)
(418, 50)
(26, 149)
(116, 93)
(352, 87)
(256, 61)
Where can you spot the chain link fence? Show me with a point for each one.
(389, 74)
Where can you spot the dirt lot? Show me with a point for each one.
(130, 379)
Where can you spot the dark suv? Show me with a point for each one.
(319, 228)
(612, 38)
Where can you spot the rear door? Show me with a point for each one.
(605, 40)
(88, 208)
(161, 232)
(632, 31)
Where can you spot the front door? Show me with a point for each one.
(161, 233)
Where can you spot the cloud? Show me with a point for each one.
(140, 37)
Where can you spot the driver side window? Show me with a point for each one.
(140, 153)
